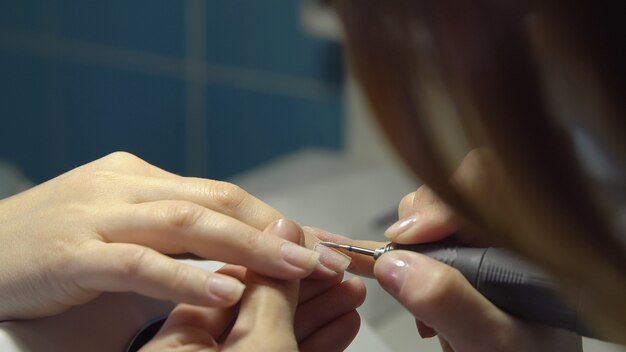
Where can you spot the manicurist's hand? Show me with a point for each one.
(109, 226)
(274, 315)
(441, 299)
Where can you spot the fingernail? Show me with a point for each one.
(293, 253)
(402, 226)
(225, 288)
(332, 259)
(325, 235)
(298, 256)
(285, 229)
(391, 272)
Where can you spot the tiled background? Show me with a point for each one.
(198, 87)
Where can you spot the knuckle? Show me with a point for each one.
(227, 195)
(178, 279)
(182, 215)
(251, 243)
(121, 157)
(138, 259)
(124, 162)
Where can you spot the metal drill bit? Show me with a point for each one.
(350, 248)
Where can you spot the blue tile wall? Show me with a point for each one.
(21, 128)
(113, 110)
(267, 35)
(260, 126)
(24, 14)
(59, 111)
(149, 25)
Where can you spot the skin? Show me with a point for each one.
(443, 303)
(112, 226)
(273, 315)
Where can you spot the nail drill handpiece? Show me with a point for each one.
(514, 285)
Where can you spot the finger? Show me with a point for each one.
(267, 308)
(464, 320)
(325, 308)
(333, 262)
(116, 267)
(212, 320)
(265, 319)
(445, 345)
(336, 336)
(191, 326)
(178, 227)
(219, 196)
(472, 177)
(309, 287)
(405, 208)
(427, 219)
(361, 265)
(440, 296)
(185, 338)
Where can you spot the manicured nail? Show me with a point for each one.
(290, 252)
(391, 271)
(402, 226)
(332, 259)
(224, 288)
(325, 235)
(298, 256)
(285, 229)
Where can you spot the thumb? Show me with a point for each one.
(440, 296)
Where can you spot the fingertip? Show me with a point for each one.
(403, 226)
(223, 290)
(423, 227)
(287, 230)
(302, 259)
(332, 259)
(405, 208)
(390, 270)
(359, 289)
(323, 235)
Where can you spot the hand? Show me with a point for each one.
(272, 317)
(325, 319)
(106, 226)
(439, 297)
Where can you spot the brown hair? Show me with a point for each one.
(445, 77)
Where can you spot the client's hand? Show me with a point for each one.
(107, 225)
(274, 315)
